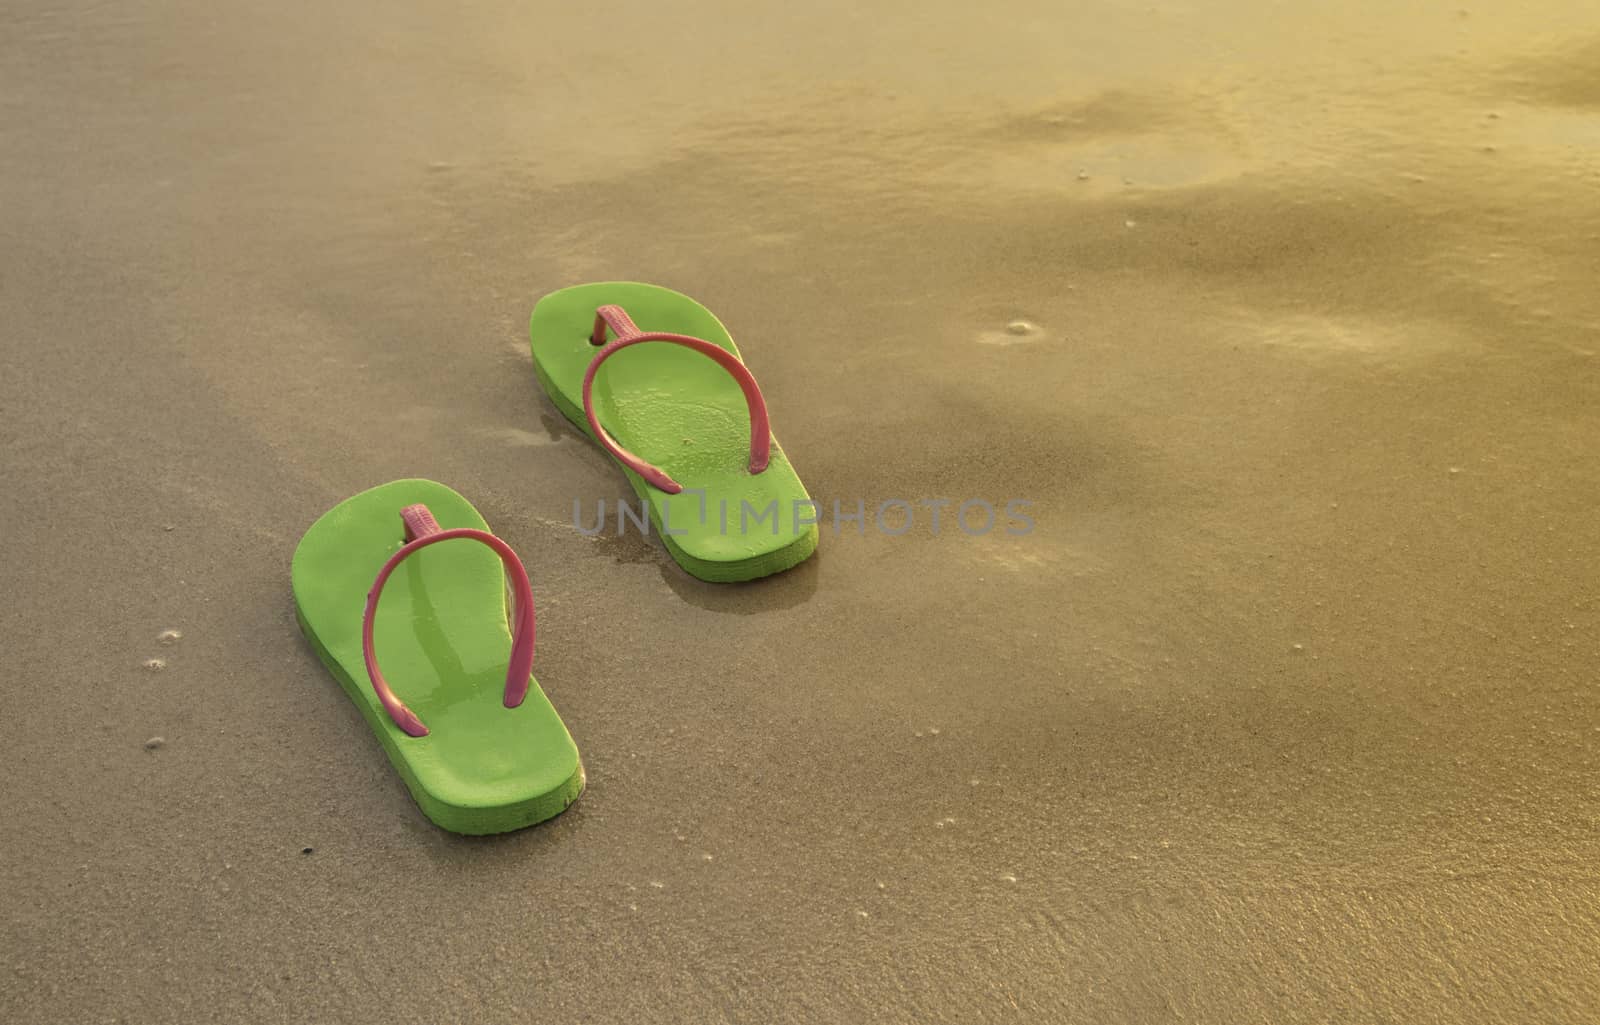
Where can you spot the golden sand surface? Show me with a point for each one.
(1284, 317)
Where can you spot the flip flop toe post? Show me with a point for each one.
(402, 591)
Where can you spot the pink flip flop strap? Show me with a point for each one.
(423, 530)
(617, 319)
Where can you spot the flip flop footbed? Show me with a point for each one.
(442, 641)
(677, 409)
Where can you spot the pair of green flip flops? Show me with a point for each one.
(468, 728)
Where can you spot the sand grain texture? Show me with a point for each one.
(1284, 713)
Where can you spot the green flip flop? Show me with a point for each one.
(475, 739)
(685, 420)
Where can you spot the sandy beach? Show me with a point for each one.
(1285, 322)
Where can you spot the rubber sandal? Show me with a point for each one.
(685, 420)
(475, 739)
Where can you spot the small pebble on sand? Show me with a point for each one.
(155, 742)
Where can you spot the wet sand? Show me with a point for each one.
(1284, 712)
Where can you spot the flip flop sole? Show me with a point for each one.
(442, 640)
(680, 411)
